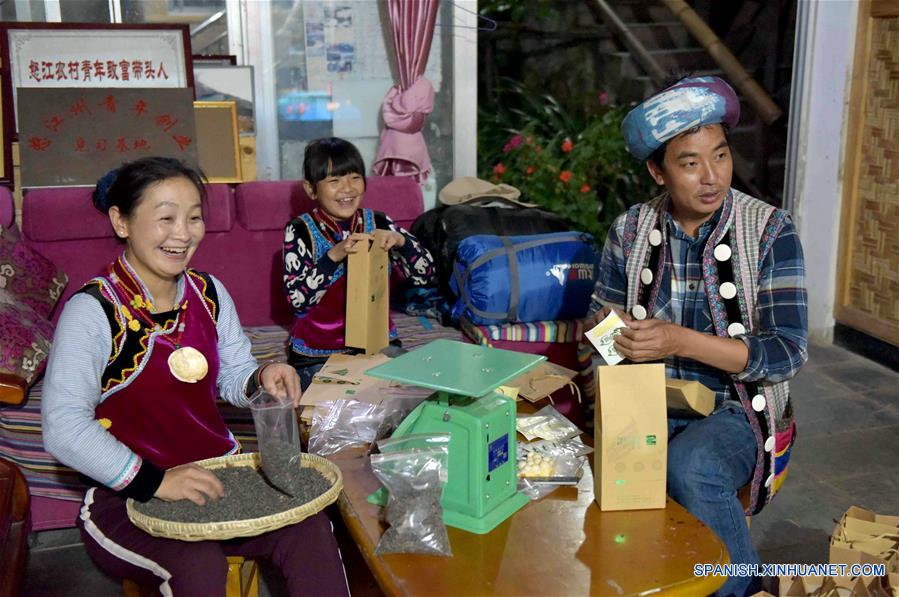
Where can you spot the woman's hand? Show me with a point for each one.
(281, 381)
(338, 252)
(189, 482)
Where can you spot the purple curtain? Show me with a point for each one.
(402, 150)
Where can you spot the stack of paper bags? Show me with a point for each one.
(863, 537)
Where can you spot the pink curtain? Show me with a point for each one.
(402, 150)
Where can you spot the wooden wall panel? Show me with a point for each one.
(868, 283)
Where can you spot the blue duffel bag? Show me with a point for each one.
(519, 279)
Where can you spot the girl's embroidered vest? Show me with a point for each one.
(320, 330)
(164, 420)
(731, 260)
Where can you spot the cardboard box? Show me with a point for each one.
(688, 398)
(632, 437)
(368, 296)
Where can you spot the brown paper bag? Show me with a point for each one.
(632, 437)
(541, 381)
(688, 398)
(368, 296)
(864, 537)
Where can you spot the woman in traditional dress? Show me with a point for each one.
(139, 357)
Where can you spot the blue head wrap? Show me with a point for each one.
(689, 103)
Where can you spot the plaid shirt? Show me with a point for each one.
(777, 349)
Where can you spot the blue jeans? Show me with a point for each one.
(709, 460)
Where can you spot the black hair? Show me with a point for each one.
(124, 187)
(331, 156)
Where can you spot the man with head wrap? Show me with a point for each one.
(710, 281)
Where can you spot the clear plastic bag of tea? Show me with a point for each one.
(279, 440)
(414, 471)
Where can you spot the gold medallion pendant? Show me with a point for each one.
(188, 364)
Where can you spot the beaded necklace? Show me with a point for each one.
(185, 363)
(332, 229)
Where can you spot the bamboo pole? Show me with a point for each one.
(766, 108)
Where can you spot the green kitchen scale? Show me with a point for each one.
(481, 488)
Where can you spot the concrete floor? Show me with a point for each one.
(847, 454)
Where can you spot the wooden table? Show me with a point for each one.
(562, 544)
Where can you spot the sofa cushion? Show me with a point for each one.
(7, 208)
(269, 205)
(68, 213)
(29, 277)
(24, 339)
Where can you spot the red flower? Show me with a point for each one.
(565, 176)
(515, 141)
(567, 145)
(585, 188)
(529, 170)
(507, 148)
(603, 97)
(499, 169)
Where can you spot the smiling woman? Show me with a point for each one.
(139, 358)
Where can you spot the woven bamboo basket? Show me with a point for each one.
(203, 531)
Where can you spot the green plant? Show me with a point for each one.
(574, 165)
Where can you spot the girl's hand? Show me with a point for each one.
(189, 482)
(338, 252)
(281, 381)
(387, 239)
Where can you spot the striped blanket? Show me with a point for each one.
(20, 426)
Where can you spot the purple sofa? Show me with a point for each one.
(244, 232)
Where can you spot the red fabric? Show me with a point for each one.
(402, 150)
(163, 419)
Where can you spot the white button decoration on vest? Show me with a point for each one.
(722, 252)
(646, 276)
(639, 312)
(758, 403)
(769, 444)
(727, 290)
(735, 329)
(655, 237)
(769, 480)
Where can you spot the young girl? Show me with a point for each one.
(316, 245)
(139, 356)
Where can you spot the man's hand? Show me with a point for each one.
(592, 321)
(189, 482)
(650, 340)
(281, 381)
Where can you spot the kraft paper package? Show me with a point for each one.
(631, 427)
(688, 398)
(864, 537)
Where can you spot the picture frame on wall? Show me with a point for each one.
(217, 83)
(215, 59)
(218, 140)
(48, 55)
